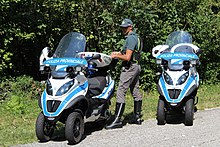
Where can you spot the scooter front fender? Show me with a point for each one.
(66, 103)
(163, 90)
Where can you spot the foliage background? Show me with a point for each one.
(27, 26)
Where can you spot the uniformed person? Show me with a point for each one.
(129, 77)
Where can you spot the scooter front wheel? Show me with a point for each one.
(189, 112)
(74, 129)
(44, 129)
(161, 116)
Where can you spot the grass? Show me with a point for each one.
(149, 105)
(20, 128)
(208, 97)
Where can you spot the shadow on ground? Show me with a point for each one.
(59, 134)
(177, 118)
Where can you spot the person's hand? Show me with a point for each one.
(114, 54)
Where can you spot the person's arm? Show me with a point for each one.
(125, 57)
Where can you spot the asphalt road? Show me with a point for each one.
(204, 133)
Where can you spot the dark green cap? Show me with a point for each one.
(126, 23)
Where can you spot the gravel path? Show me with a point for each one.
(204, 133)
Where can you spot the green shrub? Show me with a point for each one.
(47, 21)
(16, 105)
(16, 93)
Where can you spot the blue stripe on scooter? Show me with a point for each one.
(106, 90)
(183, 92)
(165, 91)
(63, 103)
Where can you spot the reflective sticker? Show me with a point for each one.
(66, 61)
(184, 56)
(176, 61)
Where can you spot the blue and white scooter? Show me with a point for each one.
(78, 89)
(179, 80)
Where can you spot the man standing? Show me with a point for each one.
(129, 77)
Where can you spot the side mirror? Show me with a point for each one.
(50, 53)
(46, 53)
(158, 49)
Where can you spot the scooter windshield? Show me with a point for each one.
(70, 45)
(178, 37)
(180, 49)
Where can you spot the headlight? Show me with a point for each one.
(182, 79)
(193, 62)
(49, 88)
(62, 90)
(78, 68)
(167, 78)
(158, 61)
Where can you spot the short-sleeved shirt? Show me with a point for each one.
(131, 42)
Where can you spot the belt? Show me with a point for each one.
(129, 63)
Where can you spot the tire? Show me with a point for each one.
(44, 129)
(189, 112)
(74, 129)
(161, 116)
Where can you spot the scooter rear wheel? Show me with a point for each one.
(44, 129)
(189, 112)
(74, 129)
(161, 116)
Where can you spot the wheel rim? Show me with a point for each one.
(76, 128)
(48, 128)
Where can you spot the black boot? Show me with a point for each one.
(137, 112)
(117, 123)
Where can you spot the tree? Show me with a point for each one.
(26, 27)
